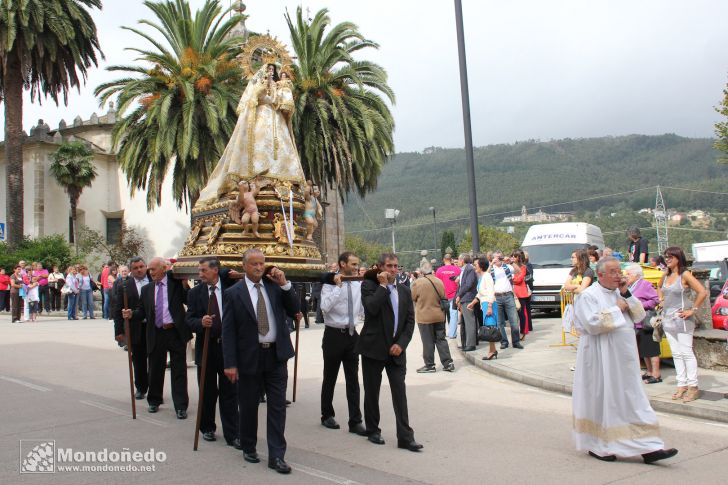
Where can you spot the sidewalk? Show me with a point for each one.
(542, 364)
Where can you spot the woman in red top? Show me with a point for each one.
(521, 291)
(4, 291)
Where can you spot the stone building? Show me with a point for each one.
(108, 202)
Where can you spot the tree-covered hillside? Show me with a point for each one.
(536, 174)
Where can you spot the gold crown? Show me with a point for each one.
(264, 49)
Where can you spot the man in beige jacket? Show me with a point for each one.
(426, 294)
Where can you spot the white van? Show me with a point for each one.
(549, 248)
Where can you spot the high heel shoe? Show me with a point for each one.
(492, 356)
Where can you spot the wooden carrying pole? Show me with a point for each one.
(127, 336)
(203, 374)
(295, 358)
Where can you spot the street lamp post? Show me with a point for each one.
(434, 229)
(391, 215)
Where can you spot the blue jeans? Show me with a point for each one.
(452, 326)
(107, 303)
(507, 307)
(72, 306)
(87, 303)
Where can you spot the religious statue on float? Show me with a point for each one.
(257, 195)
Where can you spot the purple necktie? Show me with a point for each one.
(159, 306)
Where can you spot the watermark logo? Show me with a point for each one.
(43, 456)
(37, 456)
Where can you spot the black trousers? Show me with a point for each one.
(168, 341)
(371, 370)
(56, 300)
(45, 298)
(4, 300)
(139, 363)
(17, 306)
(218, 385)
(338, 349)
(272, 376)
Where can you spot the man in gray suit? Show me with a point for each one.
(467, 291)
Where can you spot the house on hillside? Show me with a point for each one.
(539, 216)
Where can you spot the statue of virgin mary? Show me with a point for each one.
(262, 143)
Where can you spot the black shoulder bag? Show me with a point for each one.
(444, 302)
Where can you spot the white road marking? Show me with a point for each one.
(114, 410)
(315, 472)
(26, 384)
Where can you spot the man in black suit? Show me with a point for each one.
(162, 305)
(132, 285)
(205, 310)
(389, 320)
(256, 346)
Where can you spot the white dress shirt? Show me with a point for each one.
(501, 284)
(335, 305)
(140, 283)
(270, 337)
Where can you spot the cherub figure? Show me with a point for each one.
(244, 210)
(312, 209)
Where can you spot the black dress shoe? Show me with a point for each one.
(603, 458)
(518, 346)
(409, 445)
(235, 443)
(139, 395)
(209, 436)
(262, 398)
(469, 348)
(376, 438)
(153, 408)
(504, 346)
(288, 403)
(659, 455)
(330, 423)
(251, 456)
(279, 465)
(181, 414)
(358, 428)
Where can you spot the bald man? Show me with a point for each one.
(162, 305)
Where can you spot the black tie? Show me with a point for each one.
(215, 310)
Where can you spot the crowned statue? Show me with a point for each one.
(257, 195)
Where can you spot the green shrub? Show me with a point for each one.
(49, 250)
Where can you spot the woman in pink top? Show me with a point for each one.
(521, 291)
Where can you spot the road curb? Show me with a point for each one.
(693, 410)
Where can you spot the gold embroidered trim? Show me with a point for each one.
(606, 320)
(632, 431)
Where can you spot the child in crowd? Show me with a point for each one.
(33, 298)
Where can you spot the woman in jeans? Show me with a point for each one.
(86, 294)
(72, 283)
(678, 322)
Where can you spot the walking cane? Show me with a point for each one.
(127, 336)
(295, 357)
(203, 373)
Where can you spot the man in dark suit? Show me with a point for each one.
(162, 305)
(256, 346)
(205, 310)
(132, 286)
(389, 320)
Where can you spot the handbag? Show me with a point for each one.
(517, 301)
(65, 290)
(647, 323)
(489, 333)
(656, 322)
(444, 302)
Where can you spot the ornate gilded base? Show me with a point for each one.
(214, 233)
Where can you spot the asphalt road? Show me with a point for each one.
(67, 381)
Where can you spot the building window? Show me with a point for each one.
(113, 230)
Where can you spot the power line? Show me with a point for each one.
(459, 219)
(695, 190)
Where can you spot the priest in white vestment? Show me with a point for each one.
(611, 412)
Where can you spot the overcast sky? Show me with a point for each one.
(537, 69)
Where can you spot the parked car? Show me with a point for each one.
(718, 275)
(720, 309)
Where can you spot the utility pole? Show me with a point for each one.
(469, 163)
(434, 230)
(660, 222)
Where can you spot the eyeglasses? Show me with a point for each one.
(668, 257)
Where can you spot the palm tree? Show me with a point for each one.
(44, 46)
(181, 102)
(74, 170)
(343, 126)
